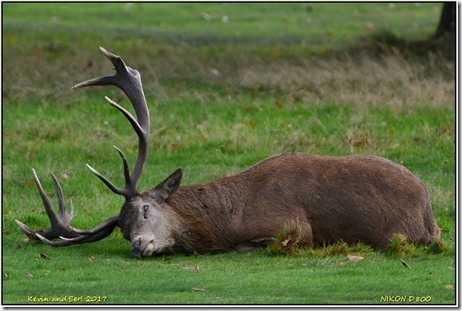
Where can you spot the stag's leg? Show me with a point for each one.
(251, 245)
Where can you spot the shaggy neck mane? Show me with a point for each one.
(208, 212)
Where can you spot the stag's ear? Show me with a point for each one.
(167, 187)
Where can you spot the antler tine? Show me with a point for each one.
(129, 81)
(46, 201)
(116, 189)
(64, 216)
(125, 163)
(110, 185)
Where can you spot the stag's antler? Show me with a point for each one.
(129, 81)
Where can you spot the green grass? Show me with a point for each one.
(254, 278)
(222, 96)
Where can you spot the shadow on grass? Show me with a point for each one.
(384, 41)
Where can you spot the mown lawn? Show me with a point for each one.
(227, 85)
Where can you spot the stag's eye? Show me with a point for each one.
(145, 210)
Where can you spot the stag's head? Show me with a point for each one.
(145, 219)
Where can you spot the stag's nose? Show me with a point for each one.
(143, 246)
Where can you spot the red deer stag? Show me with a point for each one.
(347, 198)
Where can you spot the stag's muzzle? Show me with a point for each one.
(143, 246)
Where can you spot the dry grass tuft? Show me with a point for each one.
(287, 239)
(399, 246)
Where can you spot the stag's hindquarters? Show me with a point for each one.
(353, 199)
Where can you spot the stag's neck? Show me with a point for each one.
(210, 216)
